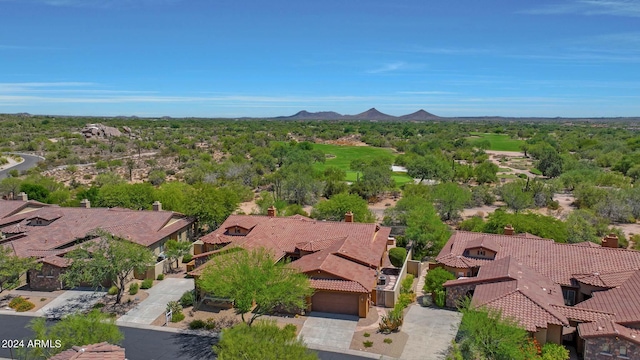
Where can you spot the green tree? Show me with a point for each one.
(486, 172)
(110, 259)
(264, 340)
(211, 205)
(425, 229)
(550, 162)
(131, 196)
(515, 196)
(35, 192)
(254, 278)
(583, 225)
(334, 181)
(489, 336)
(435, 279)
(174, 250)
(397, 255)
(10, 185)
(450, 199)
(335, 208)
(12, 266)
(73, 330)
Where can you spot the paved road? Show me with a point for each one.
(29, 162)
(142, 344)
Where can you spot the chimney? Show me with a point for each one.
(23, 196)
(348, 217)
(610, 241)
(157, 206)
(508, 230)
(85, 203)
(271, 211)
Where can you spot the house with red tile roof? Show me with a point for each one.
(47, 232)
(342, 259)
(584, 294)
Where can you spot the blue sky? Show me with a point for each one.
(225, 58)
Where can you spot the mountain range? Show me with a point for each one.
(371, 114)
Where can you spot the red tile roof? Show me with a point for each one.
(557, 261)
(101, 351)
(56, 261)
(623, 301)
(606, 328)
(351, 252)
(337, 285)
(70, 224)
(282, 234)
(524, 266)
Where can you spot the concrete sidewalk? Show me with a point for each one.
(169, 289)
(70, 302)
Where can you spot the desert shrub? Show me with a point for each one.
(98, 305)
(187, 298)
(223, 323)
(439, 297)
(435, 279)
(160, 277)
(25, 305)
(636, 241)
(405, 299)
(392, 321)
(187, 258)
(407, 284)
(176, 311)
(16, 301)
(397, 256)
(551, 351)
(387, 341)
(196, 324)
(146, 284)
(368, 344)
(112, 290)
(133, 288)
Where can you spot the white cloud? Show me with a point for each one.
(388, 68)
(627, 8)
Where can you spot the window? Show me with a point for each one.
(605, 348)
(623, 350)
(481, 252)
(569, 297)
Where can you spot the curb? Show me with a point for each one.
(363, 354)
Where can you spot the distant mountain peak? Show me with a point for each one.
(419, 115)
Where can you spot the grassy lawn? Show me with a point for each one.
(345, 154)
(499, 142)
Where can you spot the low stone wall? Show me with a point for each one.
(457, 293)
(593, 349)
(46, 279)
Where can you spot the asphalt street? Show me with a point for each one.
(141, 344)
(29, 162)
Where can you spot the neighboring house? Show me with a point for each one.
(102, 351)
(342, 259)
(583, 294)
(33, 229)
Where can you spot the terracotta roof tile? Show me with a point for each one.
(607, 327)
(101, 351)
(56, 261)
(556, 261)
(337, 285)
(350, 252)
(70, 224)
(623, 301)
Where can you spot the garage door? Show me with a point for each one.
(335, 302)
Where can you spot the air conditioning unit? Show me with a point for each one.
(382, 280)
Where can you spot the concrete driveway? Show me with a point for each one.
(69, 302)
(330, 331)
(169, 289)
(430, 332)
